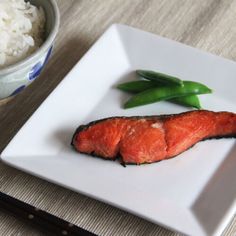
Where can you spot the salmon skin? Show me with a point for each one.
(149, 139)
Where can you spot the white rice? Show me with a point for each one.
(21, 30)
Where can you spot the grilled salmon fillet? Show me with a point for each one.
(149, 139)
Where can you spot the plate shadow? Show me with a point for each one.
(218, 196)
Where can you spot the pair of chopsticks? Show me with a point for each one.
(47, 222)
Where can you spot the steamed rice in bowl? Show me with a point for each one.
(27, 36)
(21, 30)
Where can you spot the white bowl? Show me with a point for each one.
(14, 78)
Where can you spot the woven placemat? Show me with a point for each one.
(209, 25)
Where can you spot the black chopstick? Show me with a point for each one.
(46, 221)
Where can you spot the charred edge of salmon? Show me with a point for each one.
(80, 128)
(219, 137)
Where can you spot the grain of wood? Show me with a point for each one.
(209, 25)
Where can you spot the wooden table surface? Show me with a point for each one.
(206, 24)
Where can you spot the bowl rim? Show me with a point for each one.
(46, 44)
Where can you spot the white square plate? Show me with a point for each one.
(193, 193)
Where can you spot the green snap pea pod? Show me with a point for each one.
(137, 86)
(189, 101)
(159, 77)
(141, 85)
(164, 93)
